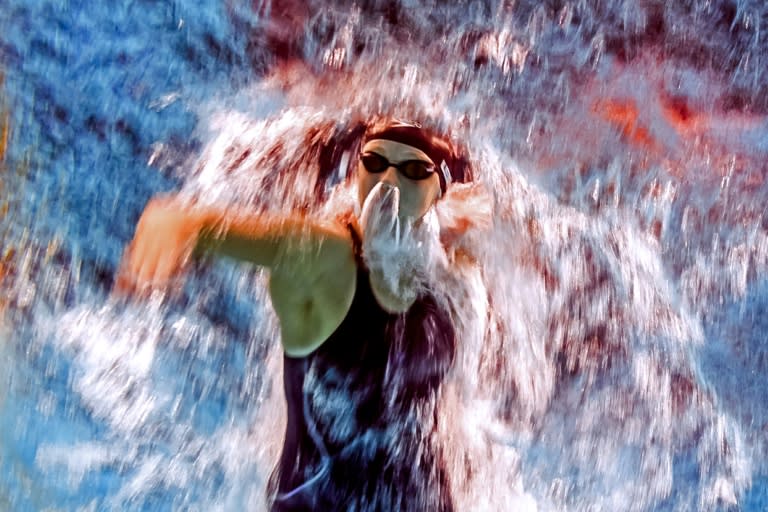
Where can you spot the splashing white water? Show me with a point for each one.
(611, 350)
(577, 357)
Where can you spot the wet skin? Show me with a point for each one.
(313, 270)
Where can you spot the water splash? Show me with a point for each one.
(612, 353)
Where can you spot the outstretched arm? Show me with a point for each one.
(313, 271)
(170, 231)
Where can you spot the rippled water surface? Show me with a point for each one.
(613, 330)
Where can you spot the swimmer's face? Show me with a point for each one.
(416, 195)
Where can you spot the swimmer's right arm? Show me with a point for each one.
(170, 231)
(313, 270)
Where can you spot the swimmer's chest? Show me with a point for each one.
(376, 358)
(342, 380)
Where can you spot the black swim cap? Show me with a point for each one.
(450, 166)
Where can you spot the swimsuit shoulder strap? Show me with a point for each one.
(357, 243)
(349, 220)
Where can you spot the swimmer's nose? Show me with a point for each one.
(391, 177)
(390, 196)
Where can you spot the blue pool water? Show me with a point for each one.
(637, 382)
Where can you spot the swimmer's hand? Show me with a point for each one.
(165, 237)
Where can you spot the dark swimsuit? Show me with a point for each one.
(361, 412)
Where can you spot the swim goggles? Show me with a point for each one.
(411, 169)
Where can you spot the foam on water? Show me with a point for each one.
(612, 353)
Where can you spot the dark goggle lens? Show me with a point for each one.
(416, 169)
(412, 169)
(374, 163)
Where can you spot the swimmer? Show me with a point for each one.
(366, 343)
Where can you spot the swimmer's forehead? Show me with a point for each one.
(395, 151)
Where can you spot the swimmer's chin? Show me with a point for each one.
(391, 302)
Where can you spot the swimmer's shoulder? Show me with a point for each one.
(312, 298)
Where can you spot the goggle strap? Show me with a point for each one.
(446, 173)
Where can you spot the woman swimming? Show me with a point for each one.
(366, 342)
